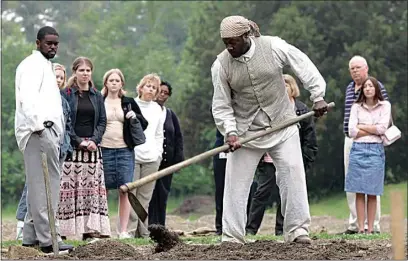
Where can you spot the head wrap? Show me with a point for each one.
(234, 26)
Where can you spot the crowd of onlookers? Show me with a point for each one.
(97, 140)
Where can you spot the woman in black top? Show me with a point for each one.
(83, 207)
(172, 154)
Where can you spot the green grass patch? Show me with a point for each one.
(174, 203)
(8, 212)
(211, 240)
(335, 205)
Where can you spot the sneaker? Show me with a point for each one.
(19, 231)
(124, 235)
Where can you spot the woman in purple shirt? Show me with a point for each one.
(369, 119)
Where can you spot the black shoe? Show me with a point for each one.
(87, 236)
(61, 247)
(36, 244)
(250, 233)
(348, 232)
(278, 233)
(218, 232)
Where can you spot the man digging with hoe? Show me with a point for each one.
(251, 108)
(249, 97)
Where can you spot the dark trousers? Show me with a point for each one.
(219, 178)
(266, 189)
(158, 203)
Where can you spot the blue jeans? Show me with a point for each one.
(22, 205)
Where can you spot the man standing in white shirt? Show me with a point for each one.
(250, 96)
(39, 128)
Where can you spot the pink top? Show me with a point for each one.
(267, 158)
(379, 115)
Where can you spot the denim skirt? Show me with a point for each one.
(118, 165)
(366, 169)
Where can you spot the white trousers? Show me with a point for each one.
(240, 170)
(351, 197)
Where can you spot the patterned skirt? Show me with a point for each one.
(83, 206)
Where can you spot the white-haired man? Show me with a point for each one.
(250, 96)
(358, 68)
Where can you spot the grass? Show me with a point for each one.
(211, 240)
(335, 205)
(8, 212)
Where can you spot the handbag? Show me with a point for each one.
(391, 134)
(136, 130)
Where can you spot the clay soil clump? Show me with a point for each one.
(164, 238)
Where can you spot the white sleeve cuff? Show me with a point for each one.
(318, 99)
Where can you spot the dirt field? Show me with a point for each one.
(266, 250)
(319, 224)
(262, 250)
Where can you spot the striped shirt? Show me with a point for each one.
(351, 97)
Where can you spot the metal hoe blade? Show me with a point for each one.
(137, 207)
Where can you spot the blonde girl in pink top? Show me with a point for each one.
(369, 119)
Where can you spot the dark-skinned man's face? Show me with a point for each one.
(48, 46)
(237, 46)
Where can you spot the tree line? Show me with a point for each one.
(180, 40)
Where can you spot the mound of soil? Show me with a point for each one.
(107, 249)
(260, 250)
(273, 250)
(20, 252)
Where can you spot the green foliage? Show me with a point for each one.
(14, 49)
(180, 40)
(192, 180)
